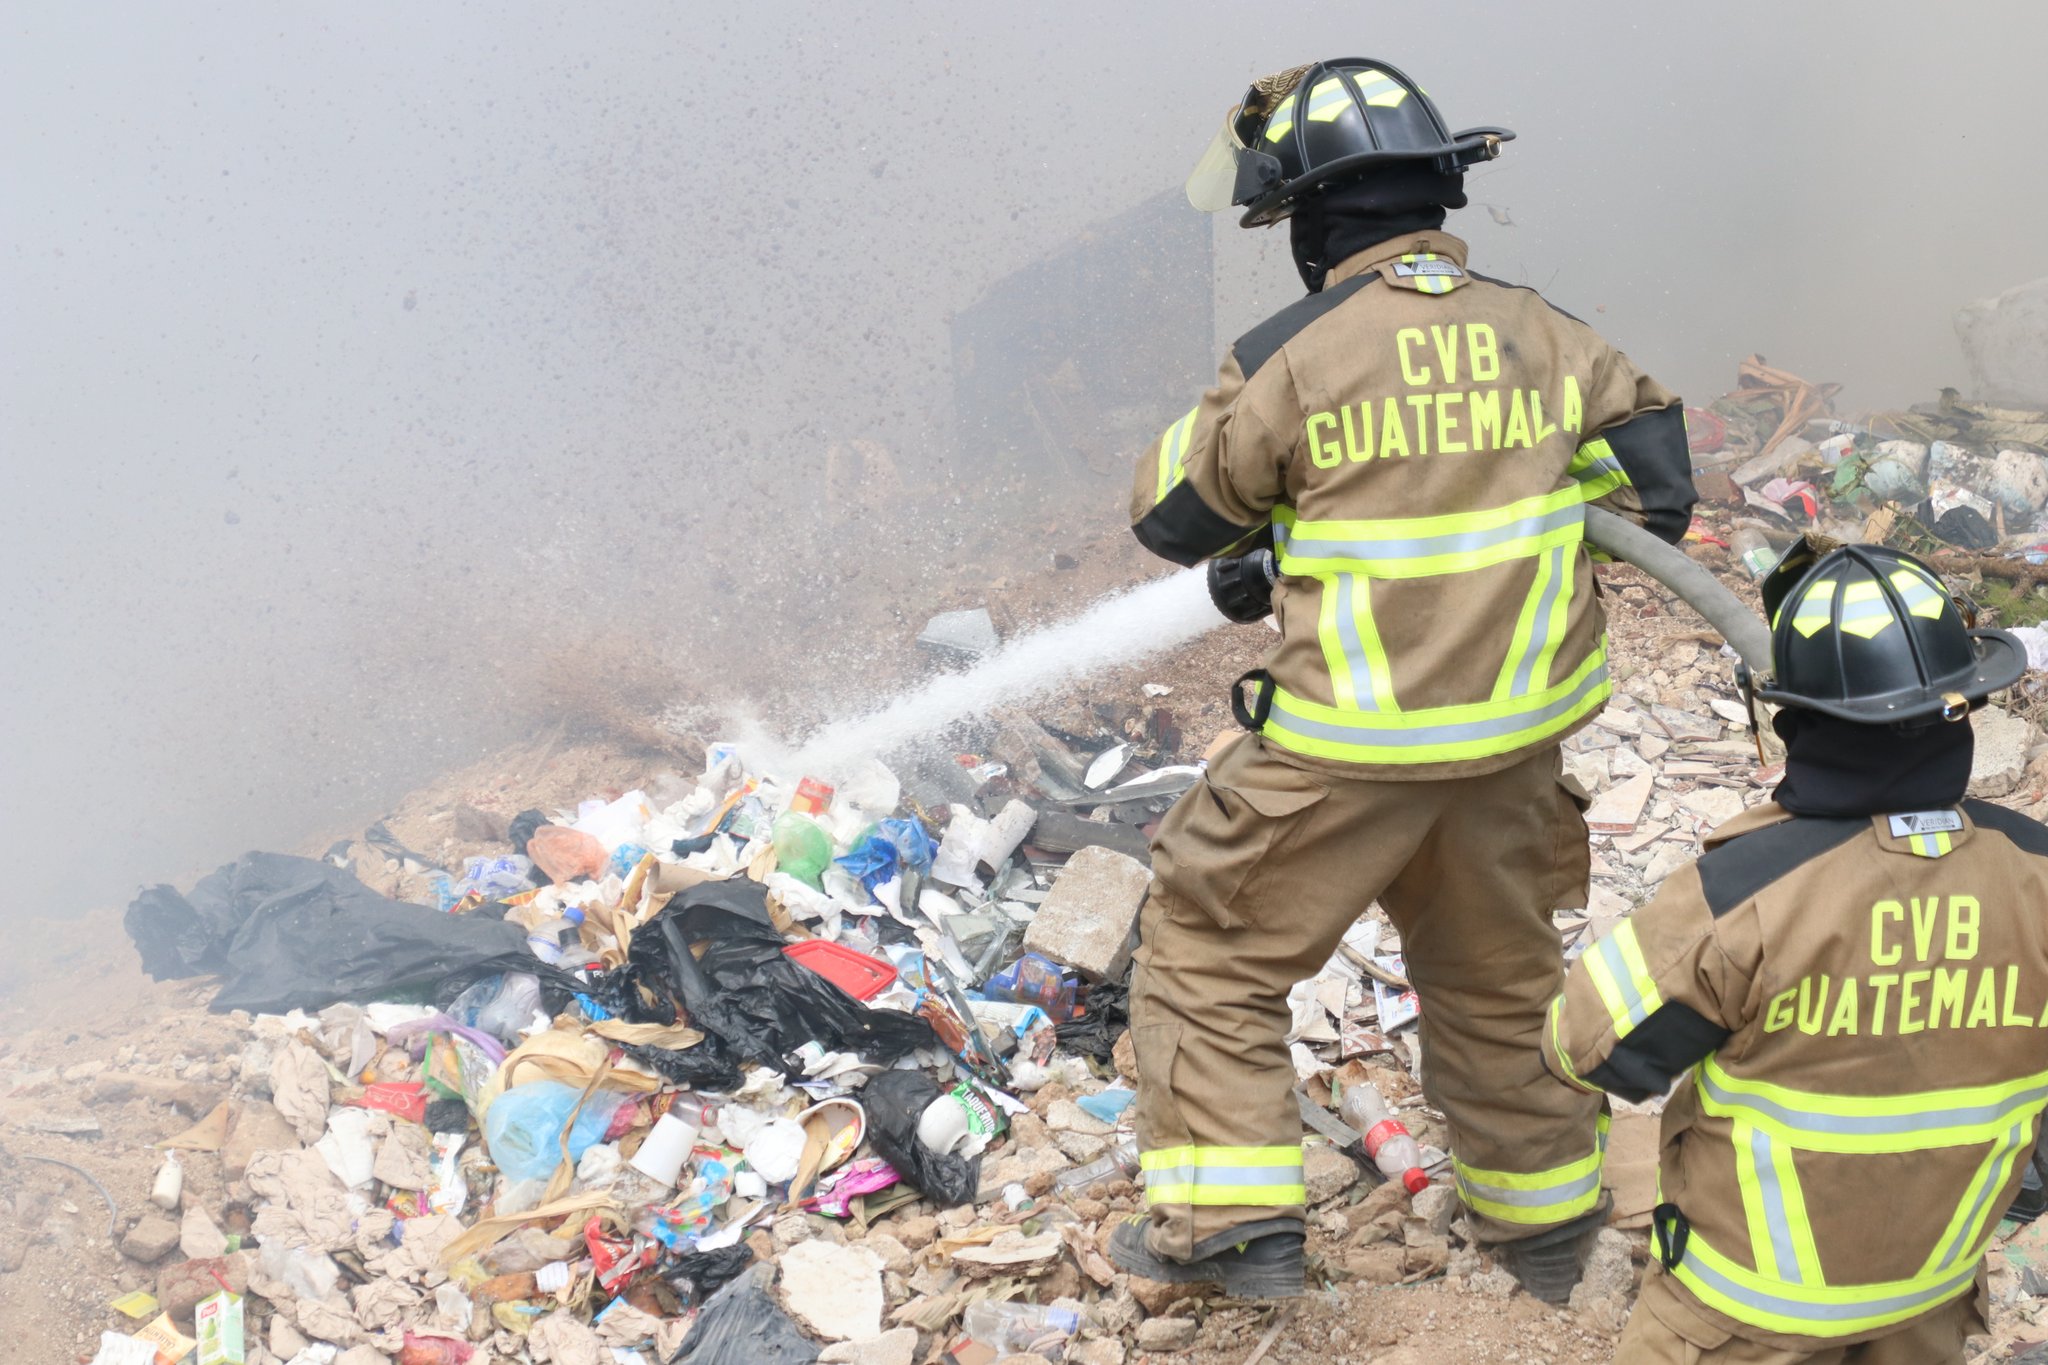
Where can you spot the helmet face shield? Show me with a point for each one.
(1229, 172)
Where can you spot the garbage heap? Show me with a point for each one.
(1965, 483)
(739, 1067)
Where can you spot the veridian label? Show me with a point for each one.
(1926, 822)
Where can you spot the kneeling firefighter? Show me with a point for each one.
(1853, 983)
(1398, 467)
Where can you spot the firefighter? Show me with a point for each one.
(1851, 985)
(1396, 468)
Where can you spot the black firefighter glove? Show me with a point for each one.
(1242, 586)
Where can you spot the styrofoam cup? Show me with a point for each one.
(667, 1147)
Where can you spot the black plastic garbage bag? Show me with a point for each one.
(1094, 1034)
(704, 1067)
(895, 1101)
(297, 933)
(743, 1325)
(697, 1275)
(744, 992)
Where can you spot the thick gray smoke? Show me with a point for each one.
(383, 381)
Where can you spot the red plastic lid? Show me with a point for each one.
(1416, 1179)
(859, 975)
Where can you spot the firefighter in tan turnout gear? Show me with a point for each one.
(1851, 985)
(1398, 467)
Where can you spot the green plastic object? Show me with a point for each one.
(802, 849)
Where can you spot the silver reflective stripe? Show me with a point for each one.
(1326, 96)
(1450, 543)
(1787, 1306)
(1775, 1215)
(1539, 629)
(1224, 1175)
(1600, 466)
(1991, 1177)
(1926, 1120)
(1451, 733)
(1354, 645)
(1609, 949)
(1532, 1199)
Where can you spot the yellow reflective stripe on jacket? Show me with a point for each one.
(1961, 1242)
(1535, 1197)
(1219, 1176)
(1426, 547)
(1360, 677)
(1540, 628)
(1780, 1233)
(1933, 845)
(1818, 1310)
(1597, 469)
(1619, 973)
(1856, 1124)
(1441, 733)
(1557, 1052)
(1173, 453)
(1770, 1124)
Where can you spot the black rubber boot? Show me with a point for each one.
(1260, 1260)
(1549, 1264)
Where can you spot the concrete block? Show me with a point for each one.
(1087, 919)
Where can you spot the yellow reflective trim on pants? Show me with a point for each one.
(1557, 1052)
(1173, 452)
(1810, 1309)
(1438, 734)
(1869, 1125)
(1533, 1197)
(1224, 1176)
(1615, 964)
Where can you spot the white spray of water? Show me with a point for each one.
(1116, 630)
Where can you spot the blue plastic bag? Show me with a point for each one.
(888, 848)
(523, 1127)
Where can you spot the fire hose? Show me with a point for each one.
(1742, 628)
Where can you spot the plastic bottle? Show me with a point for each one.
(801, 848)
(549, 936)
(1120, 1161)
(1755, 552)
(1020, 1328)
(170, 1183)
(1387, 1141)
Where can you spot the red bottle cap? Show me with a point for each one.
(1416, 1179)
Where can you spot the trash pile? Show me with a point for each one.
(1967, 478)
(731, 1068)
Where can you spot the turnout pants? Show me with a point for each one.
(1259, 870)
(1666, 1329)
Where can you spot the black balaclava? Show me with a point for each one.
(1403, 197)
(1840, 768)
